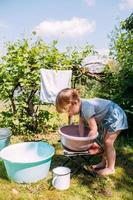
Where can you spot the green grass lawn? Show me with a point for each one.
(83, 186)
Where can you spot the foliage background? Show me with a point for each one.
(20, 78)
(20, 81)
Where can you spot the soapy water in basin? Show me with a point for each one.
(74, 131)
(27, 152)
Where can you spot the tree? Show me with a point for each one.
(118, 85)
(20, 81)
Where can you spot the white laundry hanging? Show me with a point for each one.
(52, 82)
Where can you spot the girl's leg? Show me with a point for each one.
(102, 164)
(110, 153)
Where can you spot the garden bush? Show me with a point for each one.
(20, 81)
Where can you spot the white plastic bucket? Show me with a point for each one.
(61, 178)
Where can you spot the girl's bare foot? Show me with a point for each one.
(99, 166)
(105, 171)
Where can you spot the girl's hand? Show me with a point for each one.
(81, 127)
(70, 120)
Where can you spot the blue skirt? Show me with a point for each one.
(115, 119)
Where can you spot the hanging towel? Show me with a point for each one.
(52, 82)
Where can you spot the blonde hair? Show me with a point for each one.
(65, 98)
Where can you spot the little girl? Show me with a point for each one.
(95, 111)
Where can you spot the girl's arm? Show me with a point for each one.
(81, 127)
(70, 120)
(92, 126)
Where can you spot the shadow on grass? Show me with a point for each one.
(94, 185)
(85, 176)
(125, 162)
(121, 180)
(3, 173)
(124, 151)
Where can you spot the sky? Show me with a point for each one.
(71, 22)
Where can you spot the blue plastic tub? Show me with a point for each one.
(5, 135)
(27, 162)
